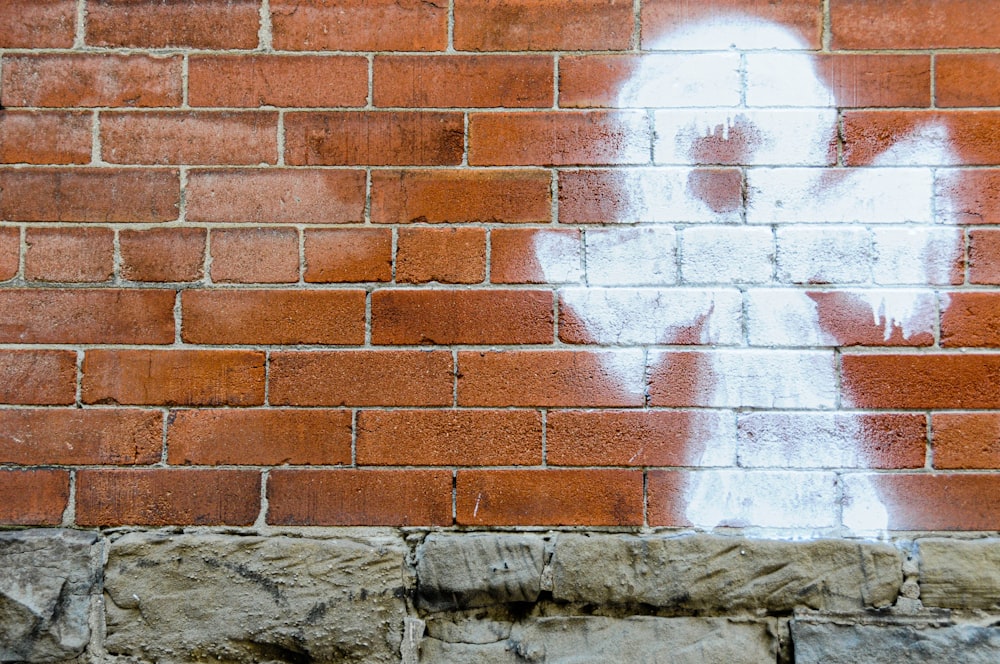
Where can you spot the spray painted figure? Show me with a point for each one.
(746, 234)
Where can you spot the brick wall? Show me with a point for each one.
(500, 262)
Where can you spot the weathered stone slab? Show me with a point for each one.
(472, 570)
(192, 598)
(828, 643)
(48, 579)
(714, 574)
(599, 640)
(959, 574)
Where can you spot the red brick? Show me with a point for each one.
(273, 317)
(550, 498)
(195, 137)
(91, 80)
(360, 25)
(966, 440)
(33, 497)
(846, 320)
(276, 196)
(627, 437)
(374, 138)
(559, 138)
(542, 25)
(157, 24)
(162, 254)
(973, 135)
(107, 195)
(549, 378)
(361, 378)
(804, 17)
(348, 255)
(449, 437)
(38, 377)
(255, 255)
(162, 497)
(442, 81)
(448, 255)
(971, 319)
(277, 80)
(86, 316)
(438, 196)
(72, 436)
(925, 501)
(984, 257)
(919, 24)
(37, 23)
(259, 437)
(44, 137)
(444, 317)
(967, 79)
(69, 254)
(594, 81)
(514, 256)
(864, 80)
(174, 377)
(10, 252)
(359, 498)
(969, 196)
(922, 381)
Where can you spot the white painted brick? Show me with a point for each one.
(864, 195)
(636, 316)
(727, 255)
(916, 255)
(785, 79)
(560, 256)
(802, 440)
(824, 254)
(680, 80)
(643, 256)
(728, 31)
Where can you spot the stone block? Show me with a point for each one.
(830, 643)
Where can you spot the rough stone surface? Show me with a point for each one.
(462, 571)
(48, 579)
(598, 640)
(829, 643)
(191, 598)
(721, 574)
(960, 574)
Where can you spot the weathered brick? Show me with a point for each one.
(929, 501)
(359, 497)
(255, 255)
(871, 24)
(813, 254)
(967, 79)
(966, 196)
(273, 317)
(10, 252)
(467, 195)
(449, 437)
(445, 317)
(277, 80)
(259, 437)
(45, 137)
(971, 135)
(984, 257)
(737, 255)
(376, 138)
(971, 319)
(91, 80)
(447, 255)
(162, 254)
(507, 81)
(921, 381)
(69, 254)
(276, 196)
(109, 195)
(664, 17)
(38, 377)
(535, 256)
(174, 377)
(361, 378)
(87, 316)
(629, 256)
(189, 137)
(551, 378)
(542, 25)
(161, 497)
(550, 497)
(37, 24)
(360, 25)
(33, 497)
(966, 440)
(153, 24)
(72, 436)
(348, 255)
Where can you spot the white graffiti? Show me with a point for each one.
(680, 265)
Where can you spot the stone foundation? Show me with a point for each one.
(376, 595)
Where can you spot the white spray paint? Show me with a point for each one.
(749, 90)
